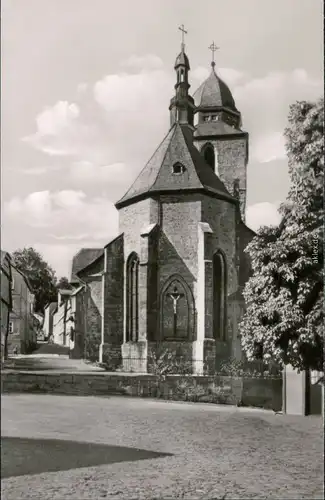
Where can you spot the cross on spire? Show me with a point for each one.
(213, 49)
(184, 32)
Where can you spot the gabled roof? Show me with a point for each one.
(6, 263)
(82, 259)
(77, 290)
(15, 269)
(157, 176)
(214, 92)
(4, 255)
(99, 256)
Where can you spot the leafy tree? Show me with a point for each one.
(40, 275)
(63, 284)
(284, 296)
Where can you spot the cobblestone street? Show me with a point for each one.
(124, 448)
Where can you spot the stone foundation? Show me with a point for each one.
(198, 357)
(134, 356)
(110, 355)
(264, 392)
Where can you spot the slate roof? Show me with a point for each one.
(100, 255)
(182, 60)
(214, 92)
(6, 263)
(82, 259)
(157, 175)
(216, 128)
(3, 256)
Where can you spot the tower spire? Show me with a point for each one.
(213, 49)
(184, 32)
(182, 104)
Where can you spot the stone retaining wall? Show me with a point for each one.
(264, 393)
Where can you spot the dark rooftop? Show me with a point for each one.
(157, 176)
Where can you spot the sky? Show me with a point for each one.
(86, 86)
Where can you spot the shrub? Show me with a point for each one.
(235, 368)
(163, 362)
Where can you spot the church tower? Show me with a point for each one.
(218, 134)
(179, 223)
(182, 104)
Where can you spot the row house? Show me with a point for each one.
(6, 298)
(22, 326)
(64, 321)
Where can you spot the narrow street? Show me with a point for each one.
(49, 357)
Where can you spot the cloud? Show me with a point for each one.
(231, 76)
(133, 104)
(264, 103)
(86, 172)
(69, 237)
(40, 170)
(263, 214)
(111, 120)
(36, 207)
(59, 256)
(61, 131)
(65, 212)
(269, 148)
(142, 63)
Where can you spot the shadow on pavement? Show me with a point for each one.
(21, 456)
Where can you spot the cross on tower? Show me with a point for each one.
(213, 49)
(184, 32)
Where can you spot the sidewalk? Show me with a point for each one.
(48, 362)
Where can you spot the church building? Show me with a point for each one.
(174, 275)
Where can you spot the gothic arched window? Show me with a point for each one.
(132, 298)
(208, 154)
(219, 296)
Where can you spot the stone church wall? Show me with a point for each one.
(113, 302)
(133, 219)
(221, 216)
(93, 309)
(180, 217)
(177, 257)
(245, 237)
(231, 157)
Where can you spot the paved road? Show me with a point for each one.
(49, 357)
(121, 448)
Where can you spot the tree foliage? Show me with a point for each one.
(63, 284)
(40, 275)
(284, 296)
